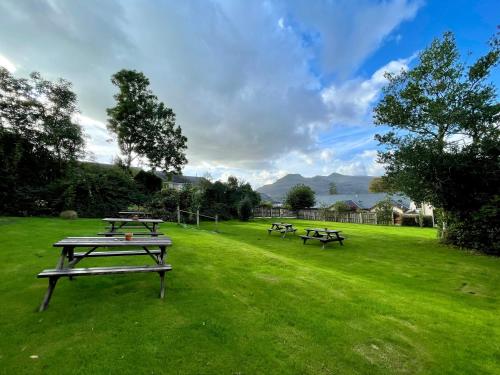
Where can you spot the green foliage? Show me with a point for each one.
(164, 204)
(332, 189)
(148, 182)
(444, 147)
(379, 185)
(39, 141)
(300, 196)
(341, 206)
(416, 221)
(211, 198)
(479, 231)
(68, 215)
(245, 209)
(384, 211)
(145, 127)
(95, 191)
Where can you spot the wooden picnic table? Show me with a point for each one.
(131, 214)
(117, 223)
(283, 228)
(324, 235)
(155, 247)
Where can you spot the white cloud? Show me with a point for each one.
(237, 73)
(7, 64)
(351, 102)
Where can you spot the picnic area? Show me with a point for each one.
(390, 300)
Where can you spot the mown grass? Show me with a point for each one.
(392, 300)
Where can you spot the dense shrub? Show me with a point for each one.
(245, 209)
(481, 231)
(299, 197)
(69, 215)
(415, 221)
(384, 211)
(95, 191)
(148, 182)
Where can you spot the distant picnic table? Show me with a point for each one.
(283, 228)
(155, 247)
(118, 223)
(324, 235)
(131, 214)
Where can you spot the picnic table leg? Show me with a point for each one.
(339, 239)
(48, 294)
(112, 230)
(71, 257)
(162, 274)
(64, 253)
(154, 230)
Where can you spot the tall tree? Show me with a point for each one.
(165, 144)
(131, 117)
(444, 144)
(332, 189)
(145, 127)
(38, 138)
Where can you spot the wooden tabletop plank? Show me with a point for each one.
(129, 220)
(113, 241)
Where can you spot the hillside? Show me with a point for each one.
(320, 184)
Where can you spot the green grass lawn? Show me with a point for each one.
(392, 300)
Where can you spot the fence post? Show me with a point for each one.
(216, 220)
(178, 215)
(361, 218)
(198, 217)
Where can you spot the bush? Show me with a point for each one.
(245, 209)
(68, 215)
(481, 231)
(95, 191)
(299, 197)
(148, 182)
(414, 221)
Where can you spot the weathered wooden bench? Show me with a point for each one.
(54, 274)
(155, 247)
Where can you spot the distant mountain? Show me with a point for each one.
(320, 184)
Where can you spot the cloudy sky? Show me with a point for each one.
(260, 88)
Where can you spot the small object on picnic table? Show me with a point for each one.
(128, 236)
(135, 217)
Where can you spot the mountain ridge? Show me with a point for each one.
(319, 184)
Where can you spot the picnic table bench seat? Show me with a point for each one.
(54, 274)
(322, 239)
(103, 270)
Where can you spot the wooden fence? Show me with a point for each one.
(340, 217)
(321, 215)
(273, 212)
